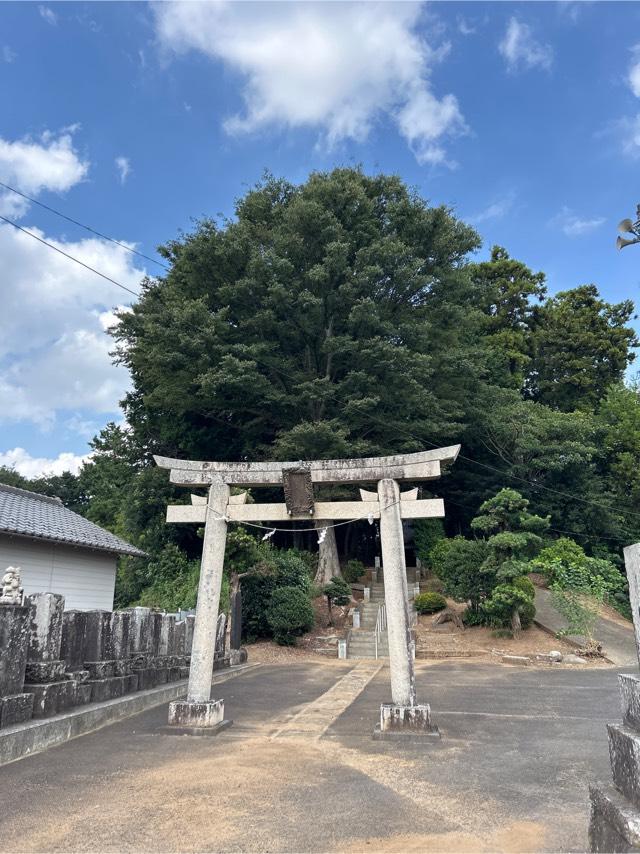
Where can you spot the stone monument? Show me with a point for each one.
(16, 705)
(615, 809)
(403, 714)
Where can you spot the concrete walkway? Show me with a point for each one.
(617, 640)
(519, 747)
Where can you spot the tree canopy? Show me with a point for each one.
(346, 316)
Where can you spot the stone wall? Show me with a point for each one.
(52, 660)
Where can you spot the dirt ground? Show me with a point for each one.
(475, 643)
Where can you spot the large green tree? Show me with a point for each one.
(506, 291)
(317, 323)
(582, 346)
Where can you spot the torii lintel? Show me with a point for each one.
(423, 465)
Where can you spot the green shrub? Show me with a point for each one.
(471, 617)
(527, 613)
(459, 565)
(501, 606)
(289, 614)
(526, 585)
(566, 565)
(353, 571)
(338, 591)
(429, 603)
(286, 568)
(292, 569)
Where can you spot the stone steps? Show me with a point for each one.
(362, 644)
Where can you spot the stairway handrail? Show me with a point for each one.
(381, 623)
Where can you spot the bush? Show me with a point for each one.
(527, 613)
(289, 614)
(338, 591)
(471, 617)
(287, 568)
(293, 569)
(429, 603)
(458, 563)
(526, 585)
(353, 571)
(566, 565)
(505, 600)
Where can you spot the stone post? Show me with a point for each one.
(199, 710)
(403, 691)
(403, 715)
(46, 676)
(15, 706)
(615, 810)
(235, 639)
(632, 564)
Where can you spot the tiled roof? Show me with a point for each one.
(30, 514)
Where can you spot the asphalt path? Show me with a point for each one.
(519, 748)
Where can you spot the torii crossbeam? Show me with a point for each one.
(386, 504)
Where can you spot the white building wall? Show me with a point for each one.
(85, 578)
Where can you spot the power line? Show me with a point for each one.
(82, 225)
(66, 255)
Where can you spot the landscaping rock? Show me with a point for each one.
(553, 657)
(516, 659)
(574, 659)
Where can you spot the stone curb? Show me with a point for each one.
(37, 735)
(567, 639)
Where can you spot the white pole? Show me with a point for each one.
(204, 632)
(632, 564)
(403, 691)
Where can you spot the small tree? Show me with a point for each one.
(514, 535)
(460, 565)
(338, 592)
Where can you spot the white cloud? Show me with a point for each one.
(48, 14)
(8, 55)
(464, 27)
(33, 165)
(54, 353)
(334, 67)
(123, 166)
(496, 210)
(31, 467)
(521, 50)
(575, 226)
(633, 76)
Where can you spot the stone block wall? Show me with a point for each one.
(52, 660)
(615, 809)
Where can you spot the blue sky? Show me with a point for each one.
(136, 118)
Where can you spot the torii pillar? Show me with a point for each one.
(403, 714)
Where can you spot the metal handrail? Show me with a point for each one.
(381, 623)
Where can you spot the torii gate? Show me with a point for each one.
(387, 505)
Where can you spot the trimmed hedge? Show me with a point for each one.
(429, 603)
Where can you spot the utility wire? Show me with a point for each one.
(282, 373)
(82, 225)
(66, 255)
(531, 483)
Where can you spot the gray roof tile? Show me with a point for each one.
(30, 514)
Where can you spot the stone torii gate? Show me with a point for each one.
(386, 504)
